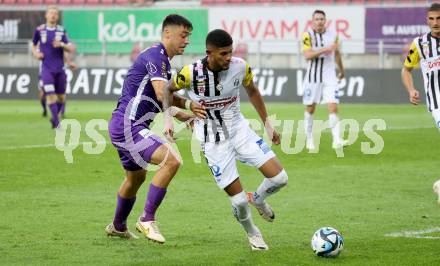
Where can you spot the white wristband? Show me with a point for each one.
(188, 104)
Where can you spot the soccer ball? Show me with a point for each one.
(327, 242)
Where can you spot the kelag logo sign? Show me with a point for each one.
(120, 29)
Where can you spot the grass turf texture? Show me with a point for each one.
(55, 213)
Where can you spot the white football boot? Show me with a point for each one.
(150, 230)
(264, 209)
(111, 231)
(257, 242)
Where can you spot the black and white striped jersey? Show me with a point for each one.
(322, 68)
(425, 51)
(219, 92)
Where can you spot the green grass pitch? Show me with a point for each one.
(54, 213)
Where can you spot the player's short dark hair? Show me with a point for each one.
(318, 11)
(434, 7)
(176, 20)
(218, 38)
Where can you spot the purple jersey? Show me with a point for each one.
(53, 60)
(138, 99)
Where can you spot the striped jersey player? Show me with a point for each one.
(425, 52)
(215, 82)
(320, 49)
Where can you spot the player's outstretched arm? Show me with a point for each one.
(409, 85)
(257, 101)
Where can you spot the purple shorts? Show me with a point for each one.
(54, 82)
(135, 145)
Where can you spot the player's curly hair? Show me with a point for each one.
(177, 20)
(218, 38)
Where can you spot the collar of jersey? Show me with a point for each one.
(205, 63)
(164, 50)
(50, 28)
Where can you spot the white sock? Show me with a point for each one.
(242, 212)
(270, 186)
(333, 120)
(308, 124)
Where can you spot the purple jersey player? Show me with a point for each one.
(49, 43)
(141, 99)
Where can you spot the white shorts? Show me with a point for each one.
(436, 115)
(245, 146)
(314, 91)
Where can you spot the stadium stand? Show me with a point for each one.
(211, 2)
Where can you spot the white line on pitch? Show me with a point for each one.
(416, 234)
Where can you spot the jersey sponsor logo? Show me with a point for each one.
(151, 68)
(201, 87)
(216, 171)
(218, 103)
(432, 64)
(307, 93)
(236, 82)
(263, 146)
(43, 36)
(59, 35)
(219, 87)
(164, 70)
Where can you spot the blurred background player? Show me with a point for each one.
(42, 96)
(424, 52)
(320, 49)
(49, 43)
(141, 99)
(225, 134)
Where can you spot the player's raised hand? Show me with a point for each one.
(414, 97)
(198, 110)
